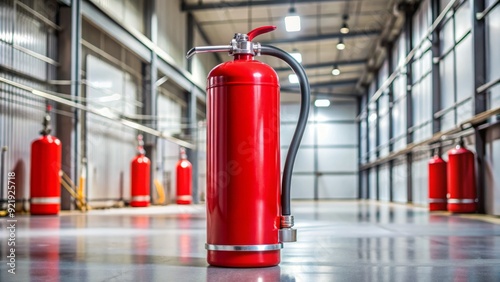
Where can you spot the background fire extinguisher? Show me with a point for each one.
(45, 172)
(246, 224)
(140, 171)
(184, 179)
(461, 179)
(437, 182)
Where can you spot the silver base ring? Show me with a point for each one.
(244, 248)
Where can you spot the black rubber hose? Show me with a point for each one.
(301, 124)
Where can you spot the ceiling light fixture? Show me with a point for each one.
(320, 103)
(292, 78)
(341, 45)
(336, 70)
(345, 28)
(296, 55)
(292, 21)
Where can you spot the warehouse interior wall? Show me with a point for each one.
(331, 134)
(434, 98)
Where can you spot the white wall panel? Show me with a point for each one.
(336, 112)
(304, 161)
(327, 128)
(338, 186)
(373, 184)
(287, 130)
(341, 159)
(493, 54)
(419, 180)
(129, 13)
(399, 185)
(465, 69)
(110, 146)
(492, 193)
(448, 121)
(337, 134)
(172, 37)
(494, 97)
(383, 183)
(463, 20)
(302, 187)
(364, 185)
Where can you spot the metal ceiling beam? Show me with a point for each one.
(242, 4)
(326, 64)
(323, 37)
(277, 19)
(319, 94)
(289, 87)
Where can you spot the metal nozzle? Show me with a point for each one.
(208, 49)
(287, 235)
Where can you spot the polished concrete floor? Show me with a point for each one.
(338, 241)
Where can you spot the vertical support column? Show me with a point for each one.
(192, 104)
(360, 176)
(367, 156)
(150, 76)
(190, 38)
(377, 145)
(436, 81)
(391, 125)
(479, 51)
(316, 166)
(70, 57)
(409, 104)
(193, 132)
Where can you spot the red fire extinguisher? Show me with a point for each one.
(140, 169)
(246, 221)
(461, 179)
(437, 183)
(184, 181)
(45, 172)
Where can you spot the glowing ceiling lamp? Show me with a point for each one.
(292, 21)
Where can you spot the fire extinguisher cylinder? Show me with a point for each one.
(140, 177)
(45, 172)
(243, 155)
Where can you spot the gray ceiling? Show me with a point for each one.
(371, 22)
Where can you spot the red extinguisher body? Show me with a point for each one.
(184, 182)
(461, 180)
(437, 184)
(45, 184)
(243, 164)
(140, 172)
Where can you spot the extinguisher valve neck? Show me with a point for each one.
(46, 125)
(241, 45)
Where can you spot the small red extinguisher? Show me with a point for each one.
(140, 172)
(45, 172)
(437, 182)
(247, 223)
(184, 179)
(461, 180)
